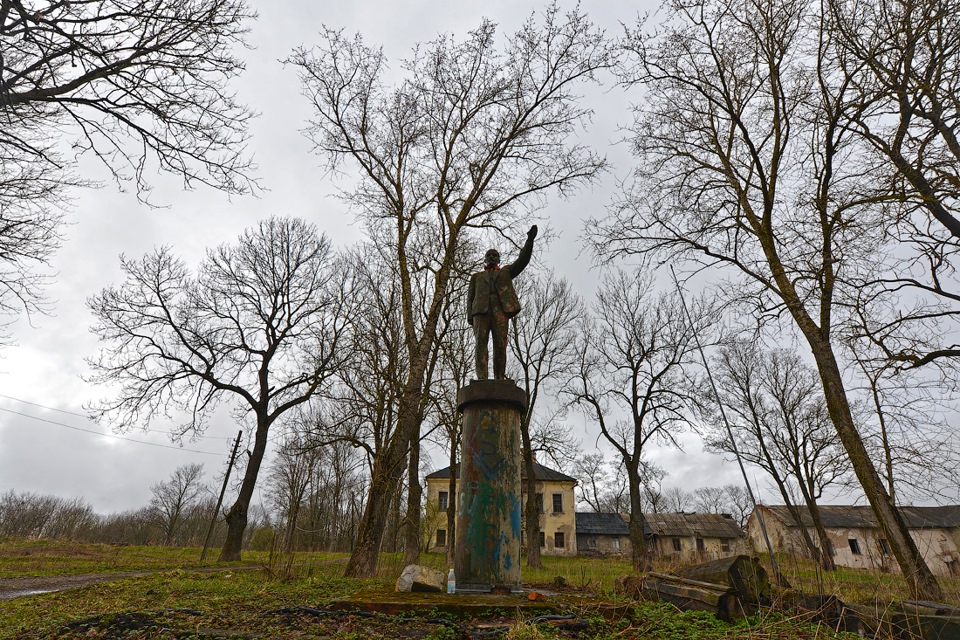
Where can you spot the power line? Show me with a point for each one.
(82, 415)
(107, 435)
(43, 406)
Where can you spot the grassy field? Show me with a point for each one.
(284, 596)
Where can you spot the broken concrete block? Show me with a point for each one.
(419, 578)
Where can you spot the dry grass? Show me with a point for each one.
(20, 558)
(854, 586)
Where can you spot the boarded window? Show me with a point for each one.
(677, 546)
(540, 503)
(589, 542)
(854, 546)
(443, 500)
(558, 503)
(558, 540)
(441, 537)
(700, 546)
(884, 546)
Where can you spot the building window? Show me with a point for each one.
(558, 540)
(700, 546)
(884, 546)
(441, 537)
(589, 542)
(443, 500)
(543, 539)
(725, 546)
(558, 503)
(676, 544)
(540, 502)
(854, 546)
(615, 544)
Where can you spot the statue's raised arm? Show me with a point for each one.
(523, 259)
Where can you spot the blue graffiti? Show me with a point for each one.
(515, 515)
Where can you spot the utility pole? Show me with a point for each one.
(223, 490)
(733, 442)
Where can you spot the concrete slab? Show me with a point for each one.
(471, 604)
(458, 604)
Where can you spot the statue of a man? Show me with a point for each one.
(491, 302)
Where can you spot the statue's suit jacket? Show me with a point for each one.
(501, 281)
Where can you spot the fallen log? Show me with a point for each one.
(742, 573)
(720, 600)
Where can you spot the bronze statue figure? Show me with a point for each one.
(491, 302)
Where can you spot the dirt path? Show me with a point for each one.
(11, 588)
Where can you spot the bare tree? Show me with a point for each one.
(738, 503)
(906, 425)
(746, 161)
(677, 500)
(454, 369)
(780, 425)
(709, 499)
(542, 342)
(288, 482)
(32, 515)
(730, 499)
(174, 498)
(651, 479)
(590, 470)
(261, 324)
(470, 137)
(631, 379)
(904, 56)
(140, 86)
(602, 484)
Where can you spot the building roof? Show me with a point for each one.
(668, 525)
(861, 516)
(701, 525)
(540, 472)
(610, 524)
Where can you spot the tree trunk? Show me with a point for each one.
(921, 581)
(452, 503)
(387, 471)
(771, 469)
(530, 507)
(411, 537)
(640, 554)
(291, 533)
(237, 516)
(826, 559)
(812, 548)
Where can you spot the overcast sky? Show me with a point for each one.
(46, 365)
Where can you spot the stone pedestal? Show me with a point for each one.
(489, 501)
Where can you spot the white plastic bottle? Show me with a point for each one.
(451, 582)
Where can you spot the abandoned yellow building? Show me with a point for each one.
(555, 497)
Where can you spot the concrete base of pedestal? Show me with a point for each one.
(489, 505)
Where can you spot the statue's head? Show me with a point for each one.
(491, 258)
